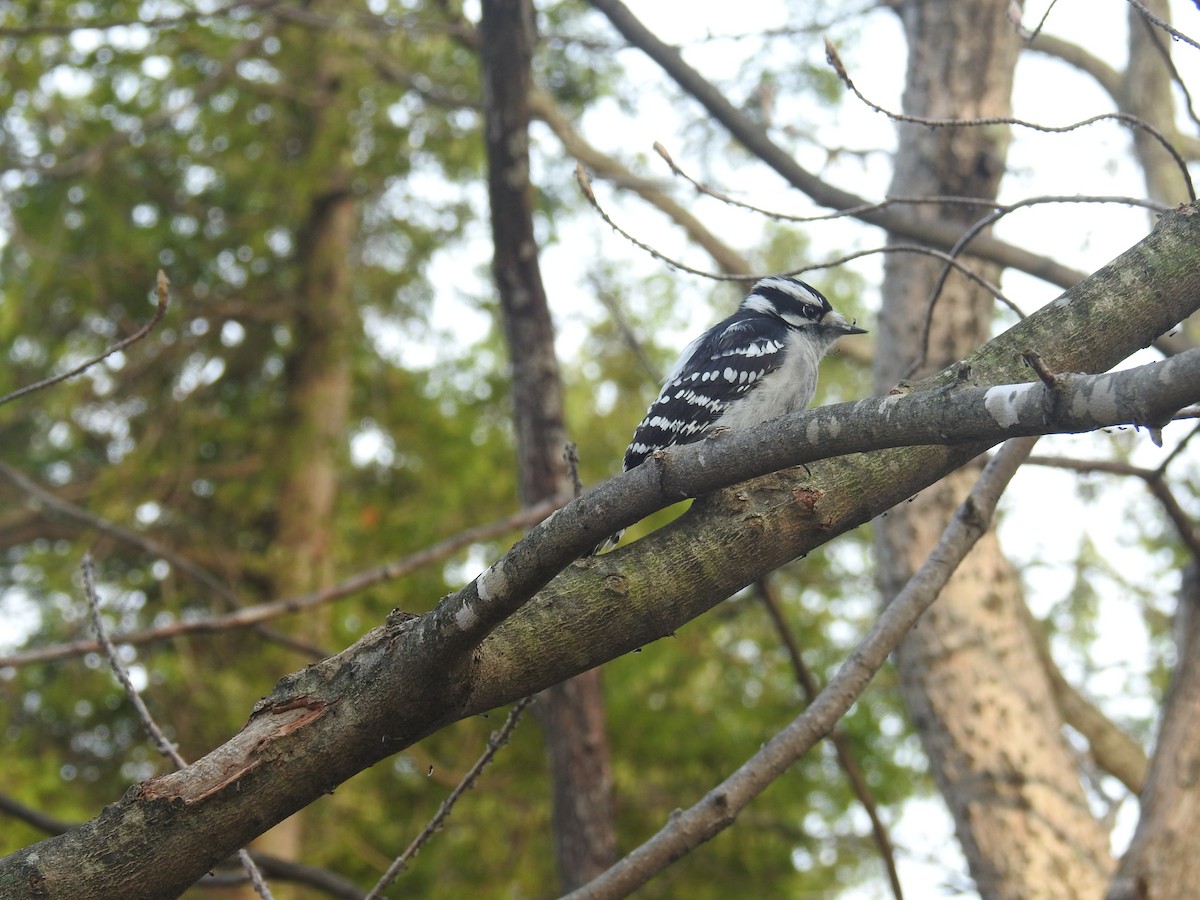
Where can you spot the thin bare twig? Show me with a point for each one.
(754, 137)
(164, 746)
(888, 202)
(790, 32)
(495, 742)
(837, 737)
(327, 882)
(999, 211)
(1127, 119)
(923, 250)
(709, 191)
(253, 615)
(1160, 23)
(1164, 52)
(162, 293)
(1014, 11)
(1162, 467)
(977, 229)
(616, 315)
(585, 187)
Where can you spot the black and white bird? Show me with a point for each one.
(757, 365)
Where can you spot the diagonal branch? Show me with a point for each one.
(162, 294)
(1114, 751)
(718, 809)
(837, 737)
(1155, 482)
(495, 743)
(153, 731)
(543, 106)
(46, 501)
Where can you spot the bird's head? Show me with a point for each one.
(799, 305)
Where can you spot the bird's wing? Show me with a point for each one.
(723, 364)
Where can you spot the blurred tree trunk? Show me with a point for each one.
(1146, 91)
(571, 713)
(313, 437)
(969, 670)
(318, 403)
(1162, 862)
(318, 398)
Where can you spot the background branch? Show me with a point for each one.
(720, 806)
(758, 142)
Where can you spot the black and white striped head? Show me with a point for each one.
(799, 306)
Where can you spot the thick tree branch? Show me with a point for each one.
(411, 677)
(327, 882)
(1107, 77)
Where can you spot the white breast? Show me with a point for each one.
(785, 390)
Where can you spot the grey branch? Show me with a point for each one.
(953, 415)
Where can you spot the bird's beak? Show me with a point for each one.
(837, 322)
